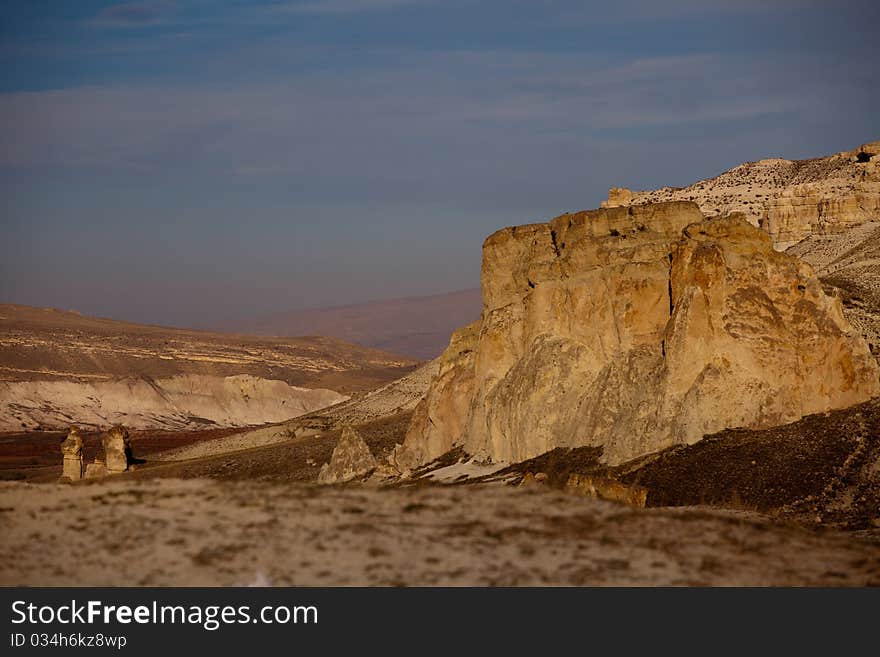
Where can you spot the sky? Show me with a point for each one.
(192, 162)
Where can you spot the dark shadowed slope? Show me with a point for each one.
(415, 326)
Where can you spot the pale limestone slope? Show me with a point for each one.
(399, 396)
(182, 402)
(849, 262)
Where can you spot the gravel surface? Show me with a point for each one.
(198, 532)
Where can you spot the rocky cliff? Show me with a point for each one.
(636, 328)
(791, 199)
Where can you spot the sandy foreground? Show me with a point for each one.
(201, 532)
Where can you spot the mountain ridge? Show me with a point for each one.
(415, 326)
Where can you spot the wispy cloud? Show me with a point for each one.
(133, 14)
(343, 7)
(456, 110)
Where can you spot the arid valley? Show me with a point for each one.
(681, 387)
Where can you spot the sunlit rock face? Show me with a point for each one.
(636, 328)
(117, 449)
(72, 456)
(351, 459)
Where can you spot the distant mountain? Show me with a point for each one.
(50, 345)
(413, 326)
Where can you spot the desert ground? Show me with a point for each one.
(210, 533)
(224, 508)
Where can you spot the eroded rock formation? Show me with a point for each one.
(351, 459)
(117, 449)
(849, 263)
(618, 196)
(636, 328)
(71, 450)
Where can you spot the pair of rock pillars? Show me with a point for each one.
(117, 454)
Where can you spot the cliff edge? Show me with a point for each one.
(634, 329)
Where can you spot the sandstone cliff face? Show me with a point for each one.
(447, 402)
(636, 328)
(811, 209)
(790, 199)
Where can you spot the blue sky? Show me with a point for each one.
(189, 162)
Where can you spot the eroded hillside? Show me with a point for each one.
(49, 344)
(849, 265)
(58, 368)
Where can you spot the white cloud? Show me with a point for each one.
(455, 112)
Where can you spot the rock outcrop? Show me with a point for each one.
(790, 199)
(447, 402)
(96, 469)
(618, 196)
(71, 450)
(812, 209)
(636, 328)
(351, 459)
(117, 449)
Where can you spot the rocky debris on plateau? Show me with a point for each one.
(605, 488)
(790, 199)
